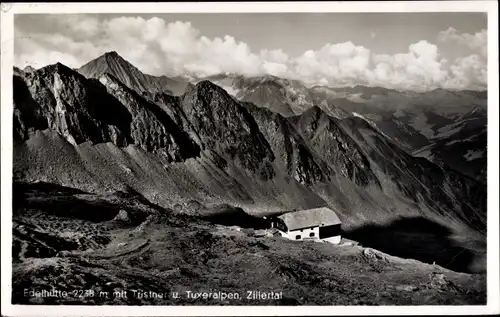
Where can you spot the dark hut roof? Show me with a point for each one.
(310, 218)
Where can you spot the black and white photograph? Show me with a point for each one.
(249, 158)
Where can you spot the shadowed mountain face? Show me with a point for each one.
(439, 188)
(79, 109)
(227, 127)
(119, 129)
(417, 238)
(328, 138)
(291, 150)
(88, 110)
(131, 76)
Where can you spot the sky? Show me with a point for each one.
(418, 51)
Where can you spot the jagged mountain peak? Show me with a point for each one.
(313, 114)
(285, 96)
(62, 71)
(97, 110)
(224, 124)
(109, 61)
(263, 80)
(29, 69)
(112, 54)
(208, 92)
(113, 57)
(113, 63)
(62, 68)
(57, 67)
(314, 110)
(271, 78)
(17, 71)
(207, 84)
(77, 108)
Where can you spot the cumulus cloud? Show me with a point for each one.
(177, 48)
(420, 68)
(38, 53)
(476, 42)
(468, 71)
(344, 62)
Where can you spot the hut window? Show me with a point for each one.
(311, 234)
(297, 237)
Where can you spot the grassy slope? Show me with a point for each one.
(48, 157)
(71, 241)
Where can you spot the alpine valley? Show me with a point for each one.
(127, 181)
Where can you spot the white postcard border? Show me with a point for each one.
(7, 13)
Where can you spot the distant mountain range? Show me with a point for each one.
(265, 144)
(415, 121)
